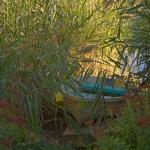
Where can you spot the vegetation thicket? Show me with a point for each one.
(44, 44)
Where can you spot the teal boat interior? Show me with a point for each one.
(107, 88)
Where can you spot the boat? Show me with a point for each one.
(88, 89)
(79, 102)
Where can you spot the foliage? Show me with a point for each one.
(35, 47)
(39, 48)
(12, 131)
(21, 138)
(133, 43)
(111, 143)
(43, 45)
(126, 132)
(35, 146)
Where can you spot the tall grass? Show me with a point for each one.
(36, 39)
(40, 43)
(132, 42)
